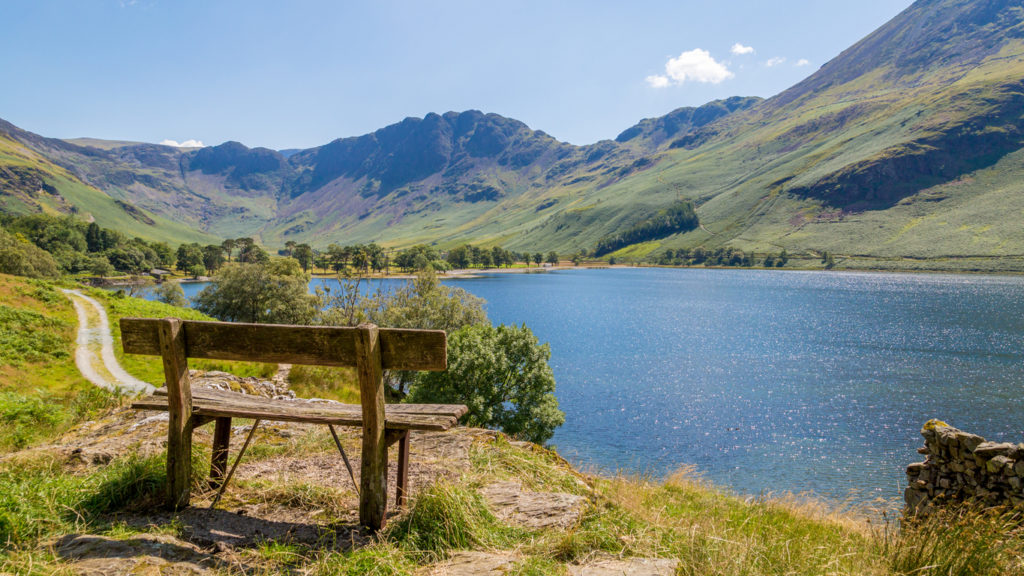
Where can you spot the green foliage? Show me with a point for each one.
(679, 217)
(502, 374)
(28, 336)
(25, 418)
(276, 293)
(171, 293)
(423, 303)
(20, 257)
(38, 498)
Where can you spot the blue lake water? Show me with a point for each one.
(770, 381)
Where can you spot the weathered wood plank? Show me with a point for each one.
(179, 406)
(314, 345)
(402, 481)
(373, 480)
(219, 453)
(456, 410)
(273, 413)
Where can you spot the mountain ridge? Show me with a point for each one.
(871, 145)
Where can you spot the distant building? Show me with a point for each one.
(159, 273)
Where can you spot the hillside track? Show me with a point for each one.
(94, 350)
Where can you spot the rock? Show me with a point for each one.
(534, 509)
(142, 554)
(475, 564)
(988, 450)
(997, 464)
(627, 567)
(914, 497)
(915, 468)
(969, 441)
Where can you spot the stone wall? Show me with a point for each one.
(960, 466)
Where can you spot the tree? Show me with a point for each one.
(228, 245)
(190, 258)
(276, 292)
(502, 374)
(20, 257)
(171, 293)
(250, 252)
(213, 257)
(303, 253)
(537, 258)
(423, 303)
(552, 258)
(459, 257)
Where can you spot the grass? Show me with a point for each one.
(326, 382)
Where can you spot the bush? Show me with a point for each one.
(276, 292)
(502, 374)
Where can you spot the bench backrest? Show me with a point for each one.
(400, 349)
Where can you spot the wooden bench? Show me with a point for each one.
(369, 348)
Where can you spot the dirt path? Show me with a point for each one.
(94, 354)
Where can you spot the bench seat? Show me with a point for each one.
(214, 403)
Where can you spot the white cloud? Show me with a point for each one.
(772, 62)
(693, 66)
(657, 81)
(185, 144)
(803, 62)
(739, 49)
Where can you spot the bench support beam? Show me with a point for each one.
(373, 498)
(402, 482)
(219, 458)
(179, 407)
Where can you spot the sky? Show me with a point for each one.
(301, 73)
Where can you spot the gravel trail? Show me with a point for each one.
(94, 354)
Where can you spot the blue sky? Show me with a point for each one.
(301, 73)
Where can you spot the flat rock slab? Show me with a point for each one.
(475, 564)
(627, 567)
(91, 555)
(512, 503)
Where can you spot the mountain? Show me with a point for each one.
(906, 145)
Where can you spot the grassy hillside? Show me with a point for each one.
(41, 391)
(30, 182)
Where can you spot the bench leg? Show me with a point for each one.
(179, 413)
(402, 481)
(219, 458)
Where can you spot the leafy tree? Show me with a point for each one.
(164, 254)
(783, 258)
(423, 303)
(94, 237)
(460, 257)
(228, 246)
(171, 293)
(537, 258)
(303, 253)
(276, 292)
(100, 266)
(213, 257)
(189, 257)
(552, 258)
(251, 253)
(20, 257)
(502, 374)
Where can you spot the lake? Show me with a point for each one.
(769, 381)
